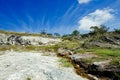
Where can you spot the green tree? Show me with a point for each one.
(75, 33)
(117, 31)
(49, 34)
(43, 32)
(56, 34)
(99, 30)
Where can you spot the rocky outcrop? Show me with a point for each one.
(103, 41)
(3, 39)
(113, 40)
(64, 52)
(26, 40)
(102, 68)
(36, 40)
(13, 39)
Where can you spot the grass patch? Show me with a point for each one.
(106, 52)
(71, 45)
(28, 79)
(116, 61)
(51, 48)
(103, 54)
(80, 51)
(91, 60)
(65, 63)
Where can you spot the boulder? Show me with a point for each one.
(3, 39)
(14, 39)
(78, 57)
(101, 65)
(64, 52)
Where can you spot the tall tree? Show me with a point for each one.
(99, 30)
(75, 33)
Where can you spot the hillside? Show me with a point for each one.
(96, 53)
(95, 57)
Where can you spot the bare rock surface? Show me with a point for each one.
(36, 40)
(102, 64)
(82, 56)
(27, 40)
(33, 66)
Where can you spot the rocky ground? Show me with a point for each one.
(37, 58)
(33, 66)
(102, 69)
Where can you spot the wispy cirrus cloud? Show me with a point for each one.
(95, 19)
(83, 1)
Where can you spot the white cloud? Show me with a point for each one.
(83, 1)
(95, 19)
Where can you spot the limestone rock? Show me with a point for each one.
(33, 66)
(26, 40)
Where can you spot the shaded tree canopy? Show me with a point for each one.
(117, 31)
(56, 34)
(99, 29)
(75, 33)
(43, 32)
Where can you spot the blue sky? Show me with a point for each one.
(62, 16)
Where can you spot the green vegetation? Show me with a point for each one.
(65, 63)
(97, 59)
(74, 42)
(116, 61)
(71, 45)
(75, 35)
(117, 31)
(99, 30)
(28, 79)
(29, 48)
(101, 51)
(107, 52)
(57, 34)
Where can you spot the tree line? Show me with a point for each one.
(95, 31)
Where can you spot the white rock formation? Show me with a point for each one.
(35, 40)
(33, 66)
